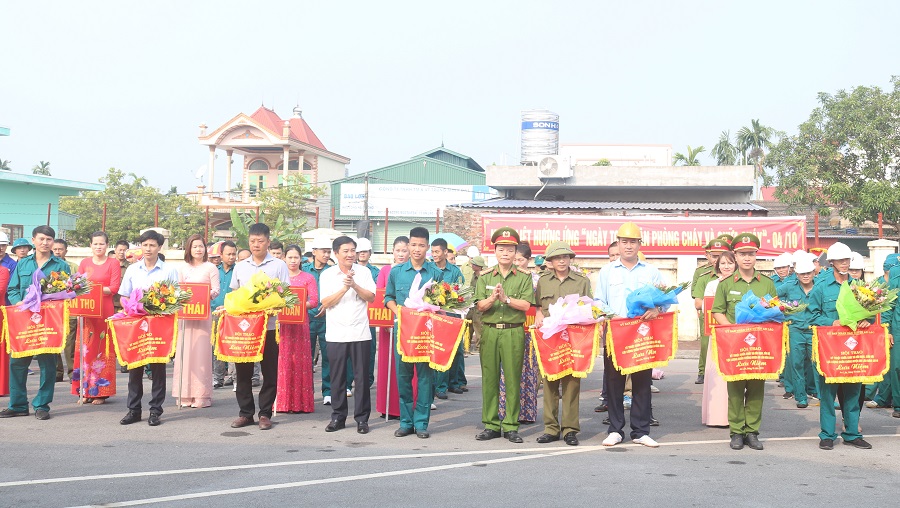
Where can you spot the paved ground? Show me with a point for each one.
(82, 456)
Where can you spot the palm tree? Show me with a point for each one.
(691, 158)
(724, 152)
(753, 142)
(43, 168)
(4, 165)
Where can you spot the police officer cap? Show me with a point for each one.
(725, 236)
(505, 236)
(745, 241)
(718, 245)
(558, 248)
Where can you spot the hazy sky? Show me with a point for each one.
(93, 85)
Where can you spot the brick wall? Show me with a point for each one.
(465, 223)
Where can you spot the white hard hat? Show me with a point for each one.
(472, 251)
(363, 244)
(783, 260)
(799, 254)
(856, 261)
(805, 265)
(4, 238)
(838, 251)
(321, 242)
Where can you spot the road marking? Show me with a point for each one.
(386, 474)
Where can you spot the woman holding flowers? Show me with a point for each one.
(96, 375)
(193, 359)
(295, 375)
(714, 407)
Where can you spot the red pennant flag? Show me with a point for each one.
(846, 356)
(429, 337)
(636, 345)
(569, 352)
(141, 340)
(297, 314)
(750, 351)
(379, 315)
(197, 308)
(29, 333)
(241, 338)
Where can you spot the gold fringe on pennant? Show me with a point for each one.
(652, 365)
(785, 344)
(140, 363)
(39, 351)
(4, 331)
(851, 379)
(570, 371)
(459, 338)
(242, 359)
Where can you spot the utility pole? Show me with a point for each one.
(366, 198)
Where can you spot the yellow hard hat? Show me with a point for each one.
(629, 230)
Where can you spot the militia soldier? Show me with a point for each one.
(502, 295)
(745, 398)
(559, 280)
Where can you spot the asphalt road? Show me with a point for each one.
(82, 456)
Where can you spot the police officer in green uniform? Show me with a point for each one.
(822, 306)
(702, 276)
(745, 398)
(502, 295)
(557, 281)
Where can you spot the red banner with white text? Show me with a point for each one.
(635, 345)
(590, 235)
(241, 338)
(29, 333)
(379, 315)
(750, 351)
(140, 340)
(570, 352)
(429, 337)
(842, 355)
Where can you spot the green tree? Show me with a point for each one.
(689, 159)
(845, 156)
(283, 208)
(724, 151)
(752, 143)
(4, 165)
(603, 162)
(42, 168)
(130, 203)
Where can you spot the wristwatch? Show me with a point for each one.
(507, 300)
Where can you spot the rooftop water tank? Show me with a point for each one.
(540, 135)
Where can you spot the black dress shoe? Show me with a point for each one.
(441, 395)
(602, 408)
(787, 395)
(826, 444)
(218, 384)
(401, 432)
(42, 414)
(423, 434)
(334, 425)
(464, 389)
(487, 434)
(859, 443)
(752, 440)
(700, 379)
(455, 390)
(547, 438)
(9, 413)
(153, 421)
(131, 417)
(123, 369)
(737, 442)
(802, 405)
(571, 439)
(362, 427)
(605, 421)
(896, 414)
(654, 422)
(513, 436)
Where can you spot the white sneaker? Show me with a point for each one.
(654, 389)
(612, 439)
(326, 400)
(871, 404)
(647, 441)
(349, 393)
(433, 407)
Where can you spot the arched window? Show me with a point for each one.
(306, 166)
(292, 166)
(259, 165)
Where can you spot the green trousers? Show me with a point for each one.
(18, 376)
(414, 413)
(805, 377)
(745, 401)
(501, 347)
(455, 376)
(850, 411)
(571, 390)
(704, 345)
(893, 376)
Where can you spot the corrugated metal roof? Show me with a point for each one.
(614, 205)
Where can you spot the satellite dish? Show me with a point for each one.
(200, 171)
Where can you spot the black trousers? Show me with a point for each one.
(358, 353)
(641, 410)
(243, 373)
(136, 388)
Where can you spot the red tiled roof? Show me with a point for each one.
(300, 130)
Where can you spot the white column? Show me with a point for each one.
(284, 168)
(228, 175)
(245, 183)
(878, 250)
(687, 317)
(212, 168)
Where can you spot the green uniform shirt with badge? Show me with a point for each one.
(731, 290)
(516, 284)
(550, 288)
(706, 271)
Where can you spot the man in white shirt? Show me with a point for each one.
(347, 289)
